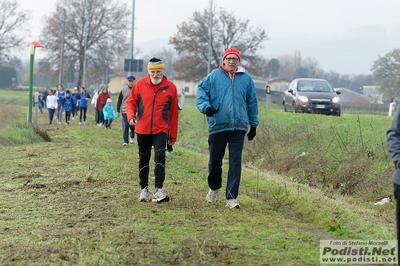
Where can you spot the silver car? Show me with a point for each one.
(311, 96)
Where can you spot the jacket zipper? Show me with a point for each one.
(152, 111)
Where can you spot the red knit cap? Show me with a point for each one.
(231, 51)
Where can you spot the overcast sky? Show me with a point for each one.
(342, 35)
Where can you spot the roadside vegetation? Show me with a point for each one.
(69, 193)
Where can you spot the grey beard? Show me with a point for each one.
(155, 81)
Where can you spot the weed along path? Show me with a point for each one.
(73, 201)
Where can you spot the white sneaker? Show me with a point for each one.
(144, 195)
(232, 203)
(124, 144)
(131, 140)
(168, 154)
(73, 118)
(80, 123)
(59, 122)
(212, 195)
(160, 196)
(84, 123)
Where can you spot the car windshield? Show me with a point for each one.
(314, 86)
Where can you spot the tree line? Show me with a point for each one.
(88, 36)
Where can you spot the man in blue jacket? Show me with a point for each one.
(227, 96)
(393, 146)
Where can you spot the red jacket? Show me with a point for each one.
(154, 107)
(101, 101)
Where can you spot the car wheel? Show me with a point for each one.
(294, 108)
(284, 107)
(337, 113)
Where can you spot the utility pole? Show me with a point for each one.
(86, 33)
(209, 38)
(62, 51)
(132, 34)
(270, 68)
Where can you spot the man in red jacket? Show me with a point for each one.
(152, 108)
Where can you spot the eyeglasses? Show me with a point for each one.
(231, 59)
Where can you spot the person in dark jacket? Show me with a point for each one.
(393, 146)
(60, 101)
(45, 94)
(68, 103)
(121, 108)
(41, 102)
(83, 98)
(74, 96)
(227, 96)
(170, 149)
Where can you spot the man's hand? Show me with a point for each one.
(210, 111)
(117, 114)
(170, 143)
(252, 133)
(132, 122)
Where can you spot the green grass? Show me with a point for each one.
(73, 200)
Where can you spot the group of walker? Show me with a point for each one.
(149, 109)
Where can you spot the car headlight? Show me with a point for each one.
(303, 99)
(335, 99)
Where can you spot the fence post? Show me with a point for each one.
(390, 109)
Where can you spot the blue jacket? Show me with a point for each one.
(108, 111)
(234, 99)
(68, 102)
(74, 100)
(61, 96)
(393, 145)
(82, 99)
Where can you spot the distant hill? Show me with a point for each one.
(149, 48)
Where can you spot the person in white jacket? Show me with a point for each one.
(94, 100)
(51, 102)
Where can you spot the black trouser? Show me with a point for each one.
(82, 110)
(397, 197)
(67, 116)
(108, 122)
(144, 144)
(125, 129)
(97, 116)
(101, 117)
(73, 110)
(217, 144)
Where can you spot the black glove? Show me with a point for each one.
(252, 133)
(210, 111)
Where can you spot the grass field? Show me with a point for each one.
(73, 200)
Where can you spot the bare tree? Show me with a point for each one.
(12, 19)
(102, 24)
(191, 42)
(168, 58)
(294, 66)
(287, 66)
(272, 68)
